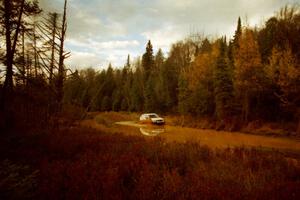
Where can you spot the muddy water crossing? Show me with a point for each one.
(211, 138)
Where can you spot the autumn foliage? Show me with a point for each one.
(252, 77)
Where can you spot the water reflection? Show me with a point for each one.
(152, 131)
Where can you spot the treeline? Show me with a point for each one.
(32, 63)
(254, 75)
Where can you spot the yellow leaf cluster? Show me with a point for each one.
(202, 68)
(283, 69)
(247, 62)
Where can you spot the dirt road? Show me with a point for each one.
(211, 138)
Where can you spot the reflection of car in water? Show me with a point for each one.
(152, 118)
(151, 131)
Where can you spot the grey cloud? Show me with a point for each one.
(162, 20)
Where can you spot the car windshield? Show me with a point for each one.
(153, 116)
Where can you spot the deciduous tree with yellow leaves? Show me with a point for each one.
(248, 71)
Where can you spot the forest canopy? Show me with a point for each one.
(254, 75)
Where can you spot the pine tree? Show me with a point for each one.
(148, 61)
(126, 84)
(237, 34)
(73, 89)
(179, 58)
(106, 104)
(223, 84)
(88, 96)
(184, 94)
(99, 89)
(149, 70)
(137, 91)
(205, 46)
(159, 86)
(159, 60)
(126, 67)
(149, 94)
(117, 94)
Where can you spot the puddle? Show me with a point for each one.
(152, 131)
(144, 129)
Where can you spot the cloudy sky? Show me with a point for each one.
(103, 31)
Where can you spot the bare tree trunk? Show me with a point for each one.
(61, 69)
(54, 24)
(23, 58)
(35, 50)
(18, 28)
(28, 67)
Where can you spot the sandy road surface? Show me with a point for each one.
(131, 123)
(212, 138)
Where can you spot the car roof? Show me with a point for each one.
(149, 114)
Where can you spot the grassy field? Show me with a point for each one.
(83, 163)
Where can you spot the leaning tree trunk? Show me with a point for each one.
(7, 95)
(8, 83)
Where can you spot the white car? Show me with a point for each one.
(152, 118)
